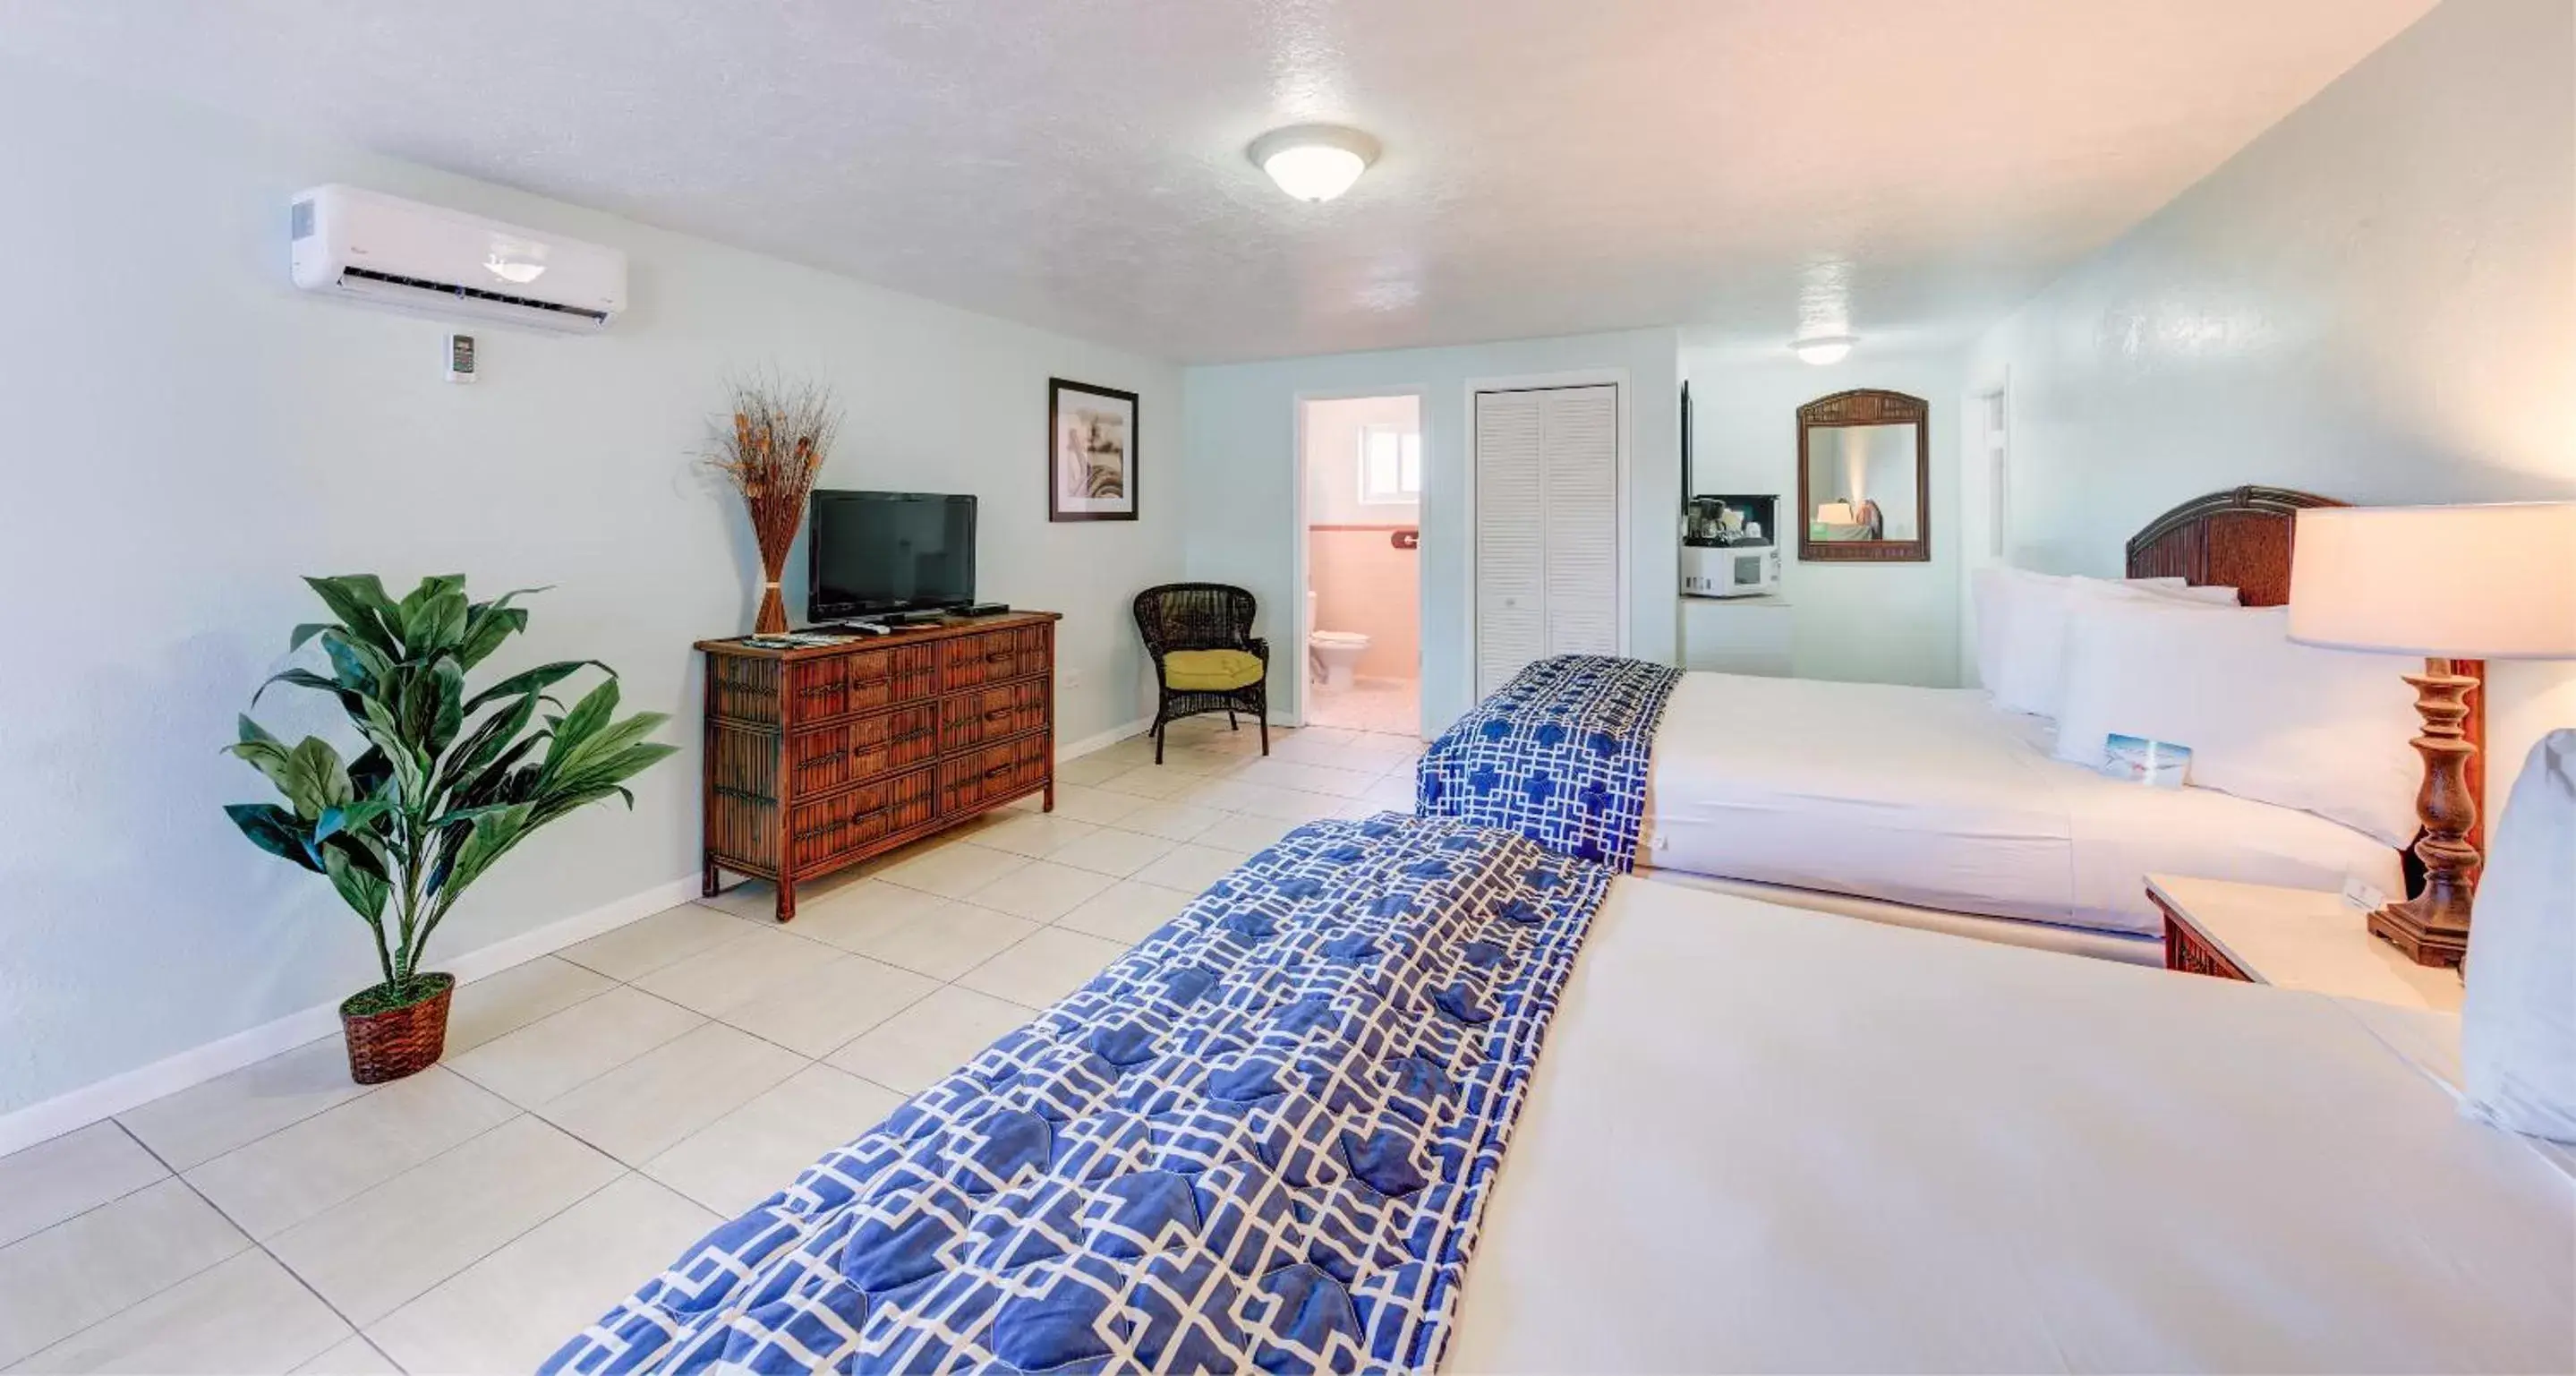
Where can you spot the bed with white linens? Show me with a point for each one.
(1936, 800)
(1406, 1093)
(1759, 1141)
(1985, 811)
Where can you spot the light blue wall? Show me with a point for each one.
(2376, 301)
(1867, 623)
(187, 433)
(1240, 431)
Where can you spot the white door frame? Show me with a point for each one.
(1299, 630)
(1532, 382)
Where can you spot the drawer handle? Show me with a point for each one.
(997, 771)
(916, 737)
(821, 760)
(827, 829)
(998, 656)
(997, 714)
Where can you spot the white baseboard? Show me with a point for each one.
(106, 1098)
(1068, 750)
(114, 1095)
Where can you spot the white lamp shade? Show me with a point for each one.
(1834, 513)
(2457, 582)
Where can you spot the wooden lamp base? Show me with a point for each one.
(2432, 928)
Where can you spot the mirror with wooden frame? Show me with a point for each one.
(1865, 478)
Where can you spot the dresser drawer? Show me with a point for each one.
(973, 660)
(996, 771)
(841, 684)
(826, 757)
(988, 714)
(821, 831)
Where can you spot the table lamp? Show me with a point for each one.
(2447, 583)
(1834, 513)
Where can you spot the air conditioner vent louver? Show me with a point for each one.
(465, 293)
(379, 250)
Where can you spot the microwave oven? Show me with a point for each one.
(1744, 570)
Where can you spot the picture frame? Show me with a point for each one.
(1091, 452)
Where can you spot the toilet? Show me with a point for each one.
(1334, 656)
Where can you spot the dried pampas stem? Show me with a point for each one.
(773, 449)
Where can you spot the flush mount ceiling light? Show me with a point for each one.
(1824, 349)
(1314, 162)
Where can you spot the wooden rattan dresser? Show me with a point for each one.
(817, 758)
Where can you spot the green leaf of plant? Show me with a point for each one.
(432, 616)
(441, 792)
(487, 624)
(486, 742)
(272, 829)
(363, 892)
(541, 677)
(301, 678)
(304, 633)
(587, 716)
(314, 778)
(355, 816)
(367, 852)
(264, 752)
(359, 601)
(371, 773)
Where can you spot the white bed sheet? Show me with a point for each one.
(1933, 797)
(1760, 1140)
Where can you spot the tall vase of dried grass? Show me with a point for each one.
(771, 447)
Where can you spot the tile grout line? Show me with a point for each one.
(624, 1170)
(254, 1244)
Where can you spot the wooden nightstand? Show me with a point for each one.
(2294, 938)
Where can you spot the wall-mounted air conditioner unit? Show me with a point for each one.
(399, 253)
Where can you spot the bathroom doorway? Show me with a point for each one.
(1361, 479)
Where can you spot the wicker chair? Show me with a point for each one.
(1208, 627)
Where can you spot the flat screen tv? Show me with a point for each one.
(871, 553)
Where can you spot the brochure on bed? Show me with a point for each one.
(1262, 1138)
(1559, 754)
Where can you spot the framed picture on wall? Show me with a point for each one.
(1091, 452)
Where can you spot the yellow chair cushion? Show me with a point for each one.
(1211, 671)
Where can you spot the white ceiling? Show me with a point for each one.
(1915, 166)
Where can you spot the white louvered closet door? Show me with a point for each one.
(1511, 538)
(1579, 441)
(1547, 527)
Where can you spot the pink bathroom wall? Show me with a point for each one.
(1363, 583)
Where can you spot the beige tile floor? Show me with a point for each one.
(600, 1108)
(1368, 704)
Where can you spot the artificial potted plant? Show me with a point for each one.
(448, 783)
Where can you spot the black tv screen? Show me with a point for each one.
(874, 552)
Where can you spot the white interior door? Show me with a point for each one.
(1511, 538)
(1547, 527)
(1579, 445)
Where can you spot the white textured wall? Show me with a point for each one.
(187, 434)
(1874, 623)
(2375, 301)
(1242, 460)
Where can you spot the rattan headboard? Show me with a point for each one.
(2241, 538)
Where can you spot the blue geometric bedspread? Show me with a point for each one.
(1262, 1138)
(1559, 754)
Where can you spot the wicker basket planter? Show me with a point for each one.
(395, 1042)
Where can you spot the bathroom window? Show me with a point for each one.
(1390, 465)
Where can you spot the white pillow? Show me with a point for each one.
(2518, 1021)
(2323, 731)
(2021, 629)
